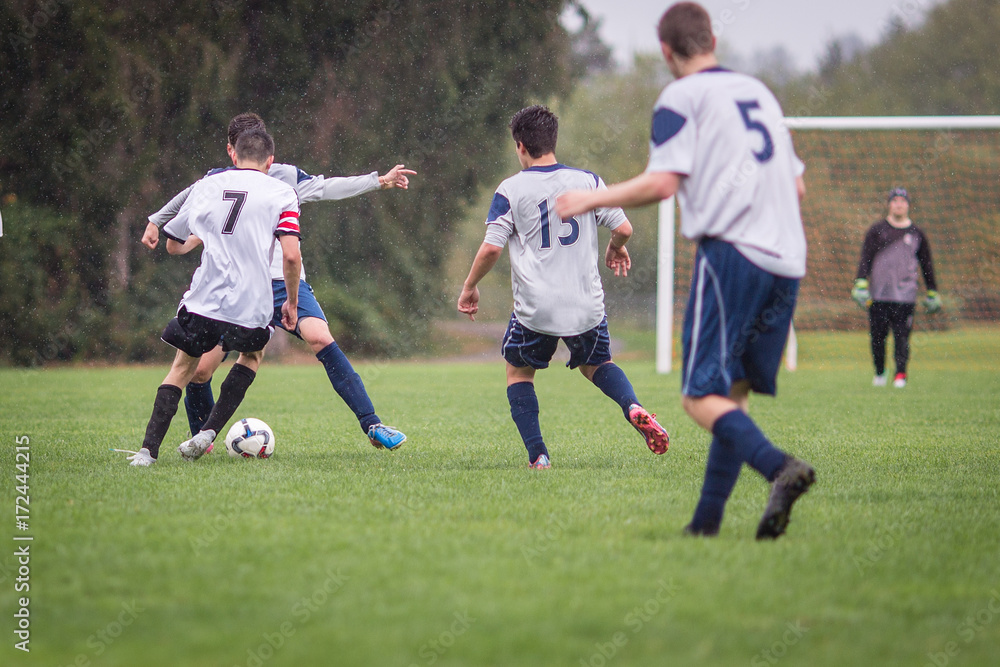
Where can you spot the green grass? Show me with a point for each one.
(451, 552)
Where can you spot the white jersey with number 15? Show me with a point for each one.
(725, 134)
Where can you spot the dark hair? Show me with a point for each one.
(537, 128)
(687, 29)
(254, 146)
(243, 122)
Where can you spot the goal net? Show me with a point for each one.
(951, 168)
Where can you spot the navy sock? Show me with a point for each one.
(611, 379)
(348, 385)
(164, 409)
(234, 388)
(721, 473)
(524, 412)
(737, 431)
(198, 401)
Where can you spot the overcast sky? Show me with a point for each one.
(803, 27)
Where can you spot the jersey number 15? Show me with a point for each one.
(569, 239)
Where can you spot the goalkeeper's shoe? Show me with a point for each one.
(541, 463)
(880, 380)
(385, 437)
(196, 447)
(141, 458)
(645, 423)
(900, 381)
(794, 478)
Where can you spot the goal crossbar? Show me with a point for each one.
(666, 228)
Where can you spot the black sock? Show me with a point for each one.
(164, 409)
(234, 388)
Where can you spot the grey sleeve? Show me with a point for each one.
(167, 213)
(317, 188)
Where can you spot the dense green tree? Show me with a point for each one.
(108, 108)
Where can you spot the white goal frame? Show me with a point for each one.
(667, 223)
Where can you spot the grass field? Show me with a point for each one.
(451, 552)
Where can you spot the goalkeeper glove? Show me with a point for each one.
(860, 293)
(932, 302)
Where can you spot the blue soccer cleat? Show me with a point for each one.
(385, 437)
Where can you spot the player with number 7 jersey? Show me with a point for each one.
(233, 282)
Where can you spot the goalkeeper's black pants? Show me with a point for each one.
(883, 315)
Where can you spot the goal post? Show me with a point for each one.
(950, 164)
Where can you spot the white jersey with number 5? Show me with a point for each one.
(237, 213)
(553, 262)
(725, 134)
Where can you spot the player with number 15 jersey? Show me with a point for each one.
(233, 282)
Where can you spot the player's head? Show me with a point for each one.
(254, 149)
(685, 31)
(537, 129)
(243, 122)
(899, 202)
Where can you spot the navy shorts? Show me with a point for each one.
(736, 323)
(523, 347)
(308, 305)
(195, 335)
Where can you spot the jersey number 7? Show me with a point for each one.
(238, 198)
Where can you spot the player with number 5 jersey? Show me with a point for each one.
(719, 142)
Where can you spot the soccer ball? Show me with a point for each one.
(250, 438)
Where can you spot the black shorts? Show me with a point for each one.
(195, 335)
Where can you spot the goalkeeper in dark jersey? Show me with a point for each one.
(886, 284)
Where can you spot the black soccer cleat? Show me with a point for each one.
(704, 531)
(794, 479)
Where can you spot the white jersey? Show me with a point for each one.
(725, 134)
(308, 188)
(553, 263)
(237, 213)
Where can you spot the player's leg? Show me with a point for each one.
(721, 472)
(735, 329)
(168, 396)
(191, 336)
(250, 344)
(315, 331)
(526, 351)
(198, 397)
(878, 324)
(591, 353)
(901, 321)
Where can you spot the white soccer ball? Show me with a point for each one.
(250, 438)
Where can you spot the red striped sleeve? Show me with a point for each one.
(289, 222)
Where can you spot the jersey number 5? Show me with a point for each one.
(569, 239)
(767, 152)
(238, 198)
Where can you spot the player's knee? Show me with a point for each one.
(202, 375)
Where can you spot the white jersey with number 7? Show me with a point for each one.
(724, 132)
(237, 213)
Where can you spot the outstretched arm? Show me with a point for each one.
(486, 259)
(396, 178)
(647, 188)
